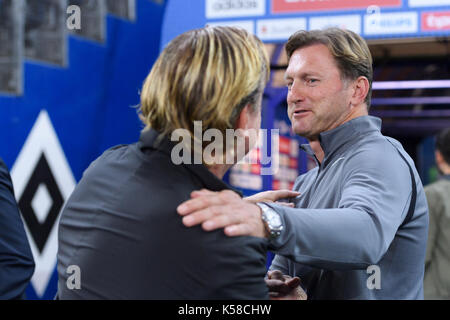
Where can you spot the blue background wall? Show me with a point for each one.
(90, 102)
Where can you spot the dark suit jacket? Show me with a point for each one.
(16, 259)
(121, 228)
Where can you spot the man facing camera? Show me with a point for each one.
(120, 228)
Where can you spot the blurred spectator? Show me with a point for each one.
(16, 259)
(437, 262)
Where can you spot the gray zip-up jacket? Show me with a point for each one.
(344, 237)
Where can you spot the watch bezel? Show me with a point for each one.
(273, 230)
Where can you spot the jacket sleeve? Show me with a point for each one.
(16, 260)
(436, 208)
(280, 263)
(375, 195)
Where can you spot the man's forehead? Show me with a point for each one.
(311, 59)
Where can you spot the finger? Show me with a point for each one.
(283, 194)
(256, 200)
(293, 283)
(277, 286)
(199, 203)
(221, 217)
(242, 229)
(286, 204)
(201, 216)
(277, 274)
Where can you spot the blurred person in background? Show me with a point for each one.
(120, 225)
(437, 262)
(359, 226)
(16, 259)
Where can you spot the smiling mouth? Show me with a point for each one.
(300, 112)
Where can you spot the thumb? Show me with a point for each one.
(293, 283)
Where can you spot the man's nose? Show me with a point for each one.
(296, 93)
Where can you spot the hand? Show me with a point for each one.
(273, 196)
(283, 287)
(224, 209)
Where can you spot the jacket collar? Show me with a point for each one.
(153, 140)
(334, 139)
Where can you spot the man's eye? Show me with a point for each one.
(289, 85)
(311, 81)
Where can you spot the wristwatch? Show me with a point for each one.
(272, 220)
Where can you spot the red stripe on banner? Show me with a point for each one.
(284, 144)
(435, 21)
(284, 6)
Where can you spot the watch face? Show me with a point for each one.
(273, 219)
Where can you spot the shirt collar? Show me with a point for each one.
(332, 140)
(153, 140)
(309, 151)
(307, 148)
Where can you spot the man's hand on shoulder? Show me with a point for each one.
(224, 209)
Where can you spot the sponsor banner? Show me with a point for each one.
(284, 160)
(288, 6)
(234, 8)
(435, 21)
(294, 148)
(318, 14)
(277, 185)
(286, 174)
(246, 181)
(248, 25)
(279, 29)
(391, 23)
(351, 22)
(284, 144)
(428, 3)
(293, 163)
(255, 169)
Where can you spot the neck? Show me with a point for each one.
(219, 170)
(356, 112)
(445, 168)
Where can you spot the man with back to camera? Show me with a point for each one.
(120, 226)
(359, 229)
(16, 259)
(436, 283)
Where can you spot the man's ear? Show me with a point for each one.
(439, 158)
(360, 91)
(243, 118)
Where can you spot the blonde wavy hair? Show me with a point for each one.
(209, 75)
